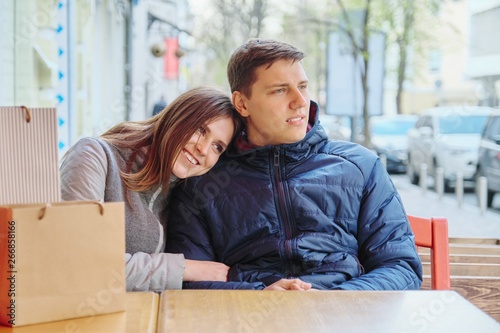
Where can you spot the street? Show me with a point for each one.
(469, 197)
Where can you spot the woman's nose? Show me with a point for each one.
(202, 146)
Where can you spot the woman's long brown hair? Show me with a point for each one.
(165, 134)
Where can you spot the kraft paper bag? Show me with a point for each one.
(29, 170)
(60, 261)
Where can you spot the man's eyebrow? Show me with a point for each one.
(277, 85)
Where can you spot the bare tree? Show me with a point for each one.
(399, 19)
(232, 22)
(307, 27)
(358, 38)
(403, 41)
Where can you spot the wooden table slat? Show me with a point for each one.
(140, 317)
(320, 311)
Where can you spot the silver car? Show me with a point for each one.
(389, 138)
(489, 156)
(447, 137)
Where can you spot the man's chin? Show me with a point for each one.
(297, 138)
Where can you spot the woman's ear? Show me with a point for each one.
(239, 103)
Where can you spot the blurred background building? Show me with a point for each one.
(98, 61)
(104, 61)
(484, 52)
(438, 72)
(463, 68)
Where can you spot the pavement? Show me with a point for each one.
(465, 220)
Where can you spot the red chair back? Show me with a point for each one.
(432, 233)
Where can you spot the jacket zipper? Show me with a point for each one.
(282, 211)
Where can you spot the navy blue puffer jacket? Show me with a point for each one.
(322, 211)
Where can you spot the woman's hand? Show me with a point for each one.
(289, 284)
(198, 270)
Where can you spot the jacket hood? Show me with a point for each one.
(314, 135)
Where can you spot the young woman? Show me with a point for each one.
(138, 162)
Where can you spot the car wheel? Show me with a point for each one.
(447, 187)
(489, 199)
(477, 175)
(414, 178)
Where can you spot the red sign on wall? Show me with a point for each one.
(170, 59)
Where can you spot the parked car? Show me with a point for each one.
(389, 138)
(488, 164)
(447, 137)
(333, 128)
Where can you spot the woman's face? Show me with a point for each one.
(204, 148)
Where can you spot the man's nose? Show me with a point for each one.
(298, 100)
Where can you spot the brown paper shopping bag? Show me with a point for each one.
(60, 261)
(29, 170)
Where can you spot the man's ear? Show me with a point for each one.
(239, 103)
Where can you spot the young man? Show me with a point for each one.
(288, 203)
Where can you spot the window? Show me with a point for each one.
(493, 129)
(434, 61)
(462, 124)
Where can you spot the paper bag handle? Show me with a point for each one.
(28, 113)
(41, 213)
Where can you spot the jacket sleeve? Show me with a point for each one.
(187, 233)
(386, 250)
(223, 285)
(83, 173)
(154, 272)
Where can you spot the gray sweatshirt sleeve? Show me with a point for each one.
(154, 272)
(83, 172)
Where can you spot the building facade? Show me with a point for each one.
(98, 62)
(484, 61)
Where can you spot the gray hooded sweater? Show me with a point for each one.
(90, 171)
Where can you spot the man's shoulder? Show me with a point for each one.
(359, 156)
(349, 150)
(225, 167)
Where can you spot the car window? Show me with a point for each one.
(428, 122)
(424, 121)
(388, 127)
(493, 129)
(462, 124)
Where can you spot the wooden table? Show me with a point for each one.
(140, 317)
(320, 311)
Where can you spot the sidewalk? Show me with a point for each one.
(465, 221)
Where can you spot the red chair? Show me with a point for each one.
(432, 233)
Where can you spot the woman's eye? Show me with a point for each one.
(219, 148)
(202, 130)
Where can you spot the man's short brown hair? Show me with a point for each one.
(253, 54)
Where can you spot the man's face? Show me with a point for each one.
(278, 110)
